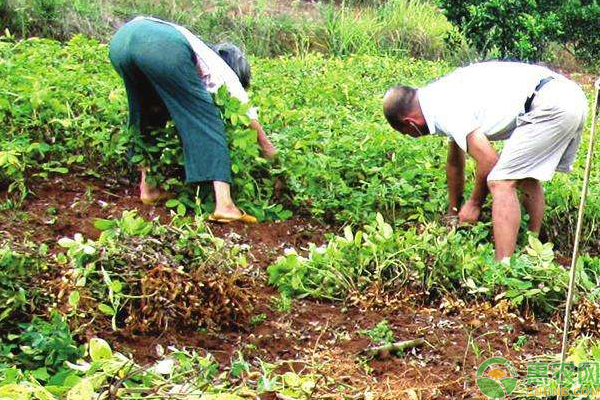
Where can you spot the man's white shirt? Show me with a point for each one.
(213, 70)
(488, 96)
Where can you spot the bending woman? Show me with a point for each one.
(170, 73)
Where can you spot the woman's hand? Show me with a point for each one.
(266, 147)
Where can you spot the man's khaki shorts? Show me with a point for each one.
(547, 137)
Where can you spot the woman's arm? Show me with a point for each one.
(265, 144)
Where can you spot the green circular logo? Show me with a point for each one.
(496, 378)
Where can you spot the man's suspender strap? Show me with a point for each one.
(537, 88)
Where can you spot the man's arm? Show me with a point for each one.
(480, 148)
(455, 175)
(265, 144)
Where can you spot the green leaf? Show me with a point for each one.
(100, 350)
(82, 391)
(291, 379)
(106, 309)
(172, 203)
(348, 235)
(15, 391)
(74, 299)
(41, 393)
(89, 250)
(41, 374)
(104, 224)
(116, 286)
(71, 380)
(388, 232)
(66, 242)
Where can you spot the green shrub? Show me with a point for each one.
(18, 296)
(580, 28)
(338, 158)
(503, 28)
(429, 258)
(380, 257)
(177, 374)
(41, 344)
(523, 29)
(253, 186)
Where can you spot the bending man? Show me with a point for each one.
(539, 113)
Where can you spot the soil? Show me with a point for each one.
(324, 337)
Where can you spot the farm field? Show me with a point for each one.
(134, 301)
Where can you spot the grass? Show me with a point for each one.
(265, 29)
(396, 27)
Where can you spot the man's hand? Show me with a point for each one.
(469, 213)
(480, 148)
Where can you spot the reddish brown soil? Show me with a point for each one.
(326, 336)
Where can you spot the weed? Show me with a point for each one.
(42, 344)
(396, 27)
(19, 294)
(380, 334)
(258, 319)
(475, 348)
(283, 303)
(521, 341)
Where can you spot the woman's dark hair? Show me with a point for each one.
(235, 58)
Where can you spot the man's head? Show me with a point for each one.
(402, 111)
(234, 57)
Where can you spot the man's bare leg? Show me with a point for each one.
(533, 201)
(224, 203)
(506, 216)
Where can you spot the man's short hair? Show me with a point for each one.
(399, 102)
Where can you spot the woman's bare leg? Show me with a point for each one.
(150, 194)
(224, 203)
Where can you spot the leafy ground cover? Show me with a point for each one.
(322, 341)
(338, 160)
(295, 302)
